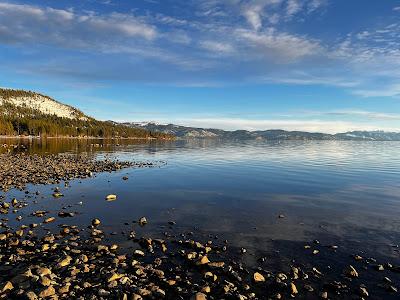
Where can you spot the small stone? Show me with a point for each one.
(43, 271)
(138, 253)
(363, 292)
(96, 222)
(49, 220)
(351, 272)
(142, 221)
(258, 277)
(309, 288)
(379, 268)
(111, 197)
(203, 260)
(199, 296)
(293, 289)
(50, 291)
(64, 262)
(64, 289)
(45, 281)
(115, 276)
(324, 295)
(6, 286)
(31, 295)
(103, 293)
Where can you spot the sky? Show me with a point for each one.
(314, 65)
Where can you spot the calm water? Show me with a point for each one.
(343, 193)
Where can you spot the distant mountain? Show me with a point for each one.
(193, 132)
(369, 135)
(29, 113)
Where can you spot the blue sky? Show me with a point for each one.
(316, 65)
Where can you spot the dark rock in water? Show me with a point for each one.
(142, 221)
(66, 214)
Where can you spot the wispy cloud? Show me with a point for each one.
(352, 113)
(27, 23)
(279, 45)
(382, 91)
(304, 78)
(217, 47)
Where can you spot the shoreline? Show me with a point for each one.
(80, 138)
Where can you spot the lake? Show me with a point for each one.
(271, 198)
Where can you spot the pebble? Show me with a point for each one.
(258, 277)
(111, 197)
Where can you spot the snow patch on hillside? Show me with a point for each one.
(46, 106)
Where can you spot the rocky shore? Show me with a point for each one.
(17, 170)
(43, 258)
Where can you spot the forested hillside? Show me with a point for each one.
(29, 118)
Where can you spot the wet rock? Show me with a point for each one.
(350, 271)
(142, 221)
(115, 276)
(48, 292)
(379, 268)
(64, 262)
(363, 292)
(203, 260)
(258, 277)
(324, 295)
(103, 293)
(31, 295)
(49, 220)
(43, 271)
(111, 197)
(96, 222)
(293, 289)
(7, 286)
(199, 296)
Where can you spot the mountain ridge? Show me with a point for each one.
(184, 132)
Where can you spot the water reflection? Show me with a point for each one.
(345, 193)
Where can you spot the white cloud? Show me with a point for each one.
(217, 47)
(26, 23)
(293, 7)
(382, 91)
(280, 45)
(302, 78)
